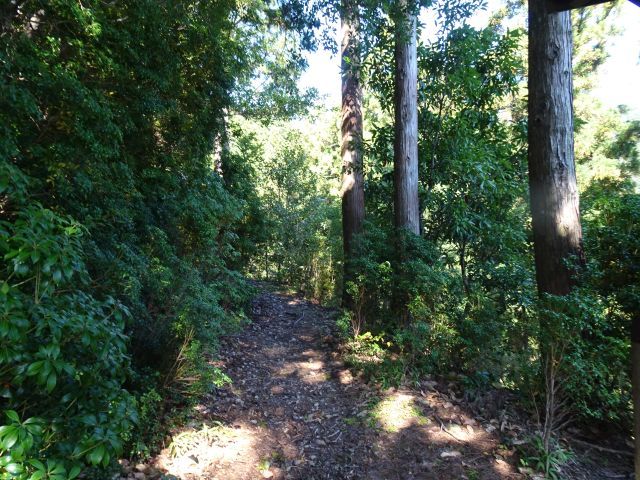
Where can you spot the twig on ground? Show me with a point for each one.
(445, 429)
(298, 319)
(601, 449)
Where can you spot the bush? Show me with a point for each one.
(63, 354)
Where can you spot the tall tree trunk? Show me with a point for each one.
(407, 207)
(351, 150)
(405, 158)
(557, 233)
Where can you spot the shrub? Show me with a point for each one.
(63, 358)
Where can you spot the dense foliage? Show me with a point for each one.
(467, 275)
(296, 179)
(470, 279)
(155, 154)
(120, 249)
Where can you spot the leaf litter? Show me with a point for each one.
(295, 411)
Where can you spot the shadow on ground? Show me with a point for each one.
(294, 411)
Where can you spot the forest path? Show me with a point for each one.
(294, 411)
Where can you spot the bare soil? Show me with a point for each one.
(295, 411)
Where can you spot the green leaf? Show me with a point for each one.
(14, 468)
(5, 288)
(27, 443)
(37, 475)
(57, 276)
(11, 254)
(95, 456)
(38, 464)
(58, 469)
(13, 416)
(51, 381)
(35, 256)
(10, 440)
(75, 471)
(34, 368)
(35, 429)
(105, 459)
(68, 272)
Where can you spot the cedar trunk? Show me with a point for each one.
(407, 208)
(557, 233)
(352, 191)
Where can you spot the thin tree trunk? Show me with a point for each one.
(407, 207)
(352, 191)
(463, 267)
(557, 233)
(222, 147)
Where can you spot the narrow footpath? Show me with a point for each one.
(294, 411)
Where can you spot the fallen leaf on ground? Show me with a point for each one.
(450, 454)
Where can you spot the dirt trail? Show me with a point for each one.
(294, 411)
(286, 408)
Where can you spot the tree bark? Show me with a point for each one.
(407, 207)
(463, 267)
(352, 191)
(222, 146)
(557, 233)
